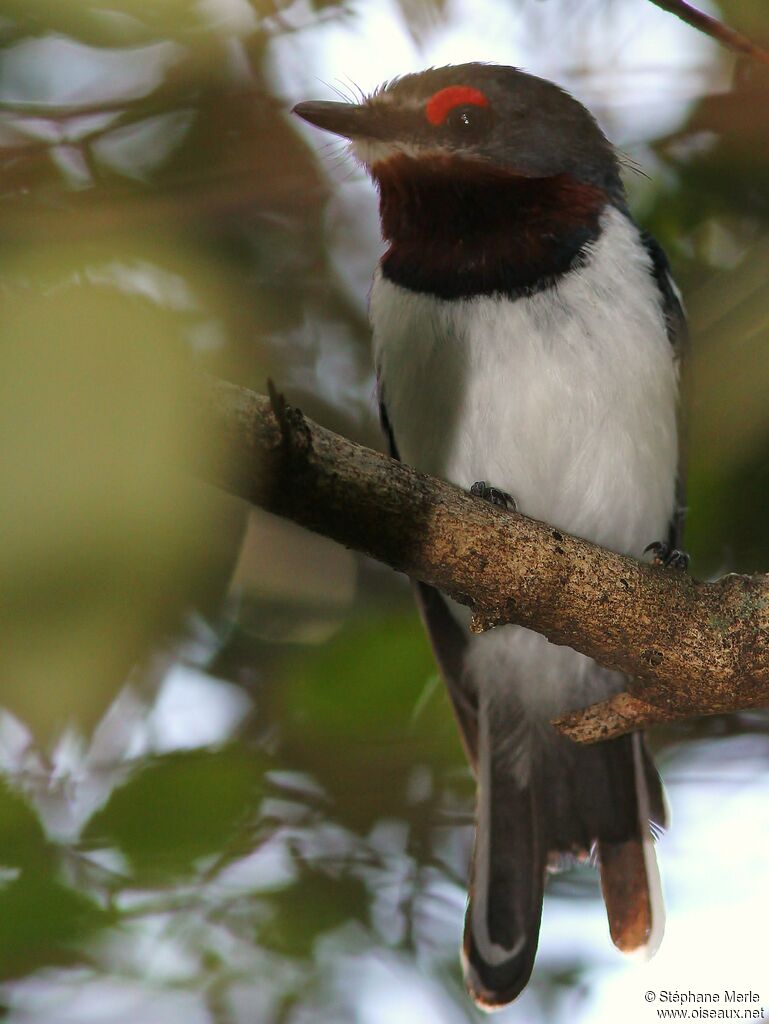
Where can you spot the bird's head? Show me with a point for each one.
(480, 116)
(490, 180)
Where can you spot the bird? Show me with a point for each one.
(528, 341)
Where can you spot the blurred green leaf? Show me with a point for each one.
(99, 530)
(315, 904)
(362, 711)
(364, 685)
(41, 921)
(100, 23)
(22, 840)
(177, 809)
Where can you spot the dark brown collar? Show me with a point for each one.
(461, 227)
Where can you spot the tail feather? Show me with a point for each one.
(540, 796)
(508, 874)
(630, 879)
(625, 888)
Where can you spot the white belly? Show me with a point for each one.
(566, 399)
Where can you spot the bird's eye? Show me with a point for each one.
(468, 122)
(462, 110)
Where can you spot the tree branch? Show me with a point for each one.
(714, 28)
(691, 648)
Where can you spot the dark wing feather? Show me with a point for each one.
(387, 427)
(446, 636)
(678, 334)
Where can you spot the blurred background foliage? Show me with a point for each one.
(231, 786)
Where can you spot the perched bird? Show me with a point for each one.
(527, 339)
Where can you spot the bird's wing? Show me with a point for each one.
(629, 876)
(446, 636)
(678, 334)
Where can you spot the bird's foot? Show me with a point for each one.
(494, 495)
(667, 557)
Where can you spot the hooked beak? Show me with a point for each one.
(351, 120)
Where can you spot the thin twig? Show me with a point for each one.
(716, 29)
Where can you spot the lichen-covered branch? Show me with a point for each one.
(689, 647)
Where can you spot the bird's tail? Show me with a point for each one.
(541, 797)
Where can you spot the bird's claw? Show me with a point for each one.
(667, 557)
(494, 495)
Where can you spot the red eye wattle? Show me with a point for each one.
(443, 102)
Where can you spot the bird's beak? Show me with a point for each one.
(351, 120)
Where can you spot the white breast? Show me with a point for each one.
(567, 400)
